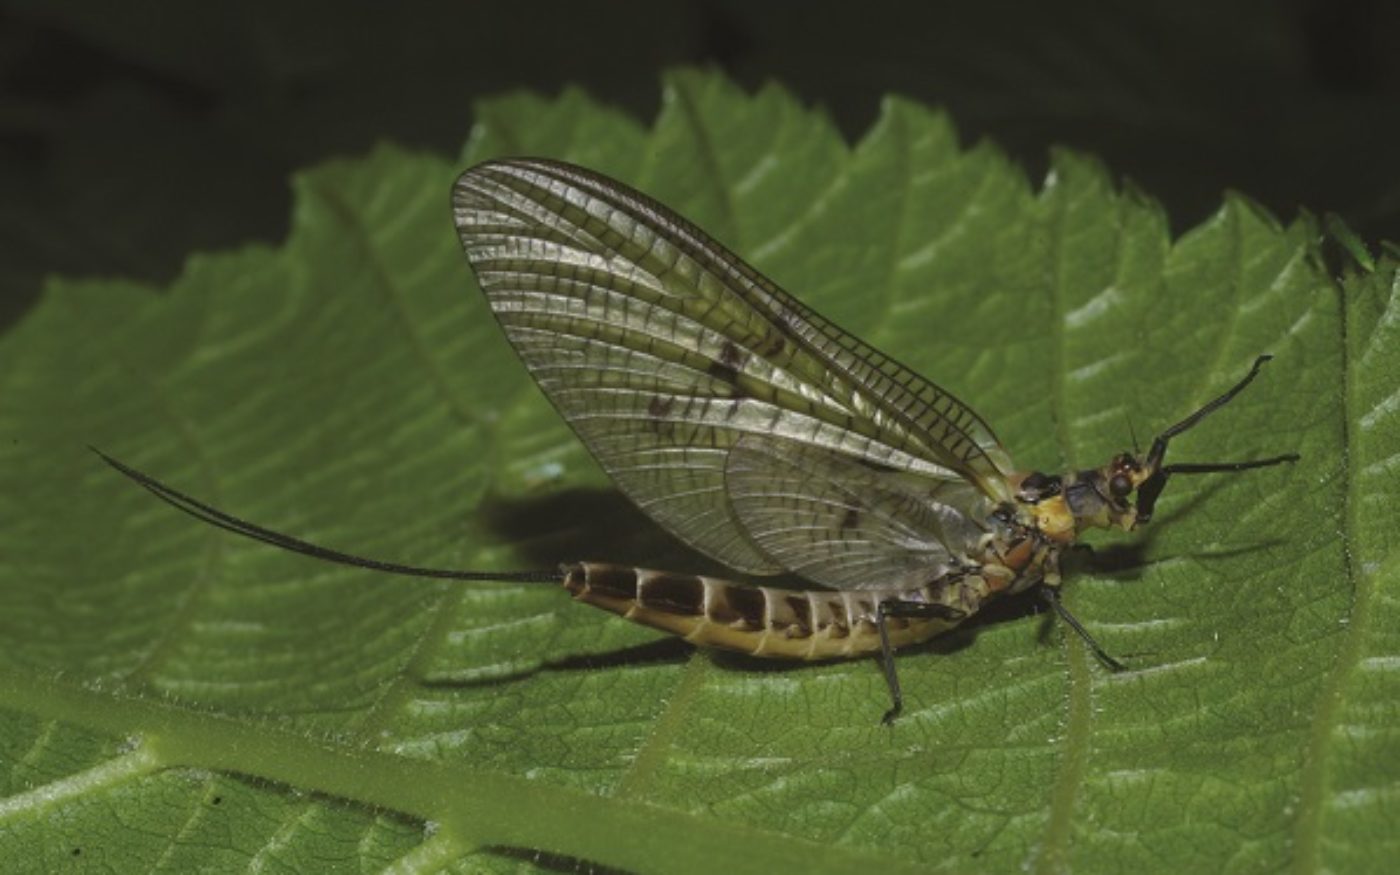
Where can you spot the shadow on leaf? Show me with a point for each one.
(546, 862)
(604, 525)
(600, 525)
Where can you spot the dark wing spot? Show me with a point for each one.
(850, 520)
(873, 465)
(787, 318)
(724, 373)
(726, 369)
(772, 344)
(673, 594)
(659, 406)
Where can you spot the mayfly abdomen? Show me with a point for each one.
(761, 620)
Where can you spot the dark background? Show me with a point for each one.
(134, 133)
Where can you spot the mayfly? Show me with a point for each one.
(760, 434)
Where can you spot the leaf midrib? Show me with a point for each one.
(1064, 792)
(1307, 834)
(476, 807)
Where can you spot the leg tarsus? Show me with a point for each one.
(897, 608)
(887, 664)
(1052, 596)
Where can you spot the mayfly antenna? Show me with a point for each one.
(1153, 486)
(213, 516)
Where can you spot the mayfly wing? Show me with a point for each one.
(663, 350)
(845, 524)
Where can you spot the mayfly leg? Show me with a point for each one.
(1052, 596)
(906, 609)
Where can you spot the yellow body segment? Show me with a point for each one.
(1055, 521)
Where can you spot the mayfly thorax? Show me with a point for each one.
(760, 434)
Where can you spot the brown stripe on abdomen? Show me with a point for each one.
(790, 613)
(682, 594)
(739, 607)
(608, 581)
(760, 620)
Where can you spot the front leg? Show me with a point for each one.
(900, 608)
(1051, 595)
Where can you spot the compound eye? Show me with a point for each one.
(1120, 486)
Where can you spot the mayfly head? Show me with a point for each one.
(1103, 497)
(1124, 492)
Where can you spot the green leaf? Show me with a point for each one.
(174, 698)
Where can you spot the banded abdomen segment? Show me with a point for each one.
(763, 620)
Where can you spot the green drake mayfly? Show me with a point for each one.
(761, 435)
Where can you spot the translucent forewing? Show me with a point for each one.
(663, 351)
(829, 518)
